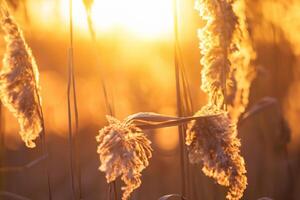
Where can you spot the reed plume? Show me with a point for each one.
(213, 141)
(19, 81)
(124, 151)
(242, 72)
(215, 44)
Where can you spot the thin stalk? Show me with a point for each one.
(179, 102)
(76, 135)
(45, 150)
(74, 157)
(112, 188)
(70, 129)
(110, 108)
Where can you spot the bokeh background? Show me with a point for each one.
(134, 55)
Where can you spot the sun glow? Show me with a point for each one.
(141, 17)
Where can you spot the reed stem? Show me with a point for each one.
(73, 137)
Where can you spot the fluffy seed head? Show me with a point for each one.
(19, 81)
(212, 142)
(215, 45)
(124, 151)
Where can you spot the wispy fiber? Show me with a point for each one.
(19, 81)
(124, 151)
(213, 143)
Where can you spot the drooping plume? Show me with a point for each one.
(19, 81)
(124, 151)
(215, 44)
(242, 72)
(213, 141)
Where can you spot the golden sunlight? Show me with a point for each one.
(142, 18)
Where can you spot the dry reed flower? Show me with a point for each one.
(124, 151)
(212, 142)
(215, 44)
(19, 81)
(243, 72)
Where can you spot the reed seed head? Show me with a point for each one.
(19, 81)
(213, 143)
(215, 45)
(124, 151)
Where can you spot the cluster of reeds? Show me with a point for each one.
(124, 149)
(212, 135)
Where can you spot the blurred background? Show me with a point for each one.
(133, 52)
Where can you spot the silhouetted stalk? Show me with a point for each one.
(45, 152)
(73, 138)
(112, 188)
(76, 136)
(70, 130)
(183, 103)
